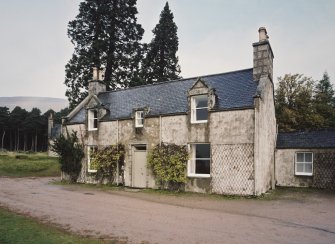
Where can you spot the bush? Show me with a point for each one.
(168, 163)
(105, 161)
(70, 154)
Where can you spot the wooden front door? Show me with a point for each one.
(139, 167)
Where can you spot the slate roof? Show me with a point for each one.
(235, 90)
(306, 139)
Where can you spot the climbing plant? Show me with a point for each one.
(105, 161)
(168, 163)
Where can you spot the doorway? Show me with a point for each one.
(139, 167)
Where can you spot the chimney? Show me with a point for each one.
(96, 85)
(263, 56)
(50, 124)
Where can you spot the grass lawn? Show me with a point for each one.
(18, 229)
(28, 164)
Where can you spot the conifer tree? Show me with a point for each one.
(161, 62)
(324, 101)
(106, 35)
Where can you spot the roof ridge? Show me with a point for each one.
(179, 80)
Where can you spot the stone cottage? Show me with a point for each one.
(306, 159)
(227, 120)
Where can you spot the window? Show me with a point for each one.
(199, 109)
(139, 119)
(90, 151)
(92, 119)
(199, 164)
(304, 163)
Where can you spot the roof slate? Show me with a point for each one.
(306, 139)
(235, 90)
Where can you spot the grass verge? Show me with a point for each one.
(28, 164)
(15, 228)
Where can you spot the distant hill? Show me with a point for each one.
(43, 103)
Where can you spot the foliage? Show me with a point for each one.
(168, 163)
(32, 164)
(105, 34)
(70, 154)
(324, 101)
(301, 105)
(105, 161)
(161, 62)
(15, 228)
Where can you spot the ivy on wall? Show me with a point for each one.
(105, 161)
(168, 163)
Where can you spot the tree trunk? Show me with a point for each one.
(18, 140)
(25, 141)
(3, 137)
(32, 143)
(36, 141)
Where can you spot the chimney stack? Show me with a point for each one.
(96, 85)
(263, 56)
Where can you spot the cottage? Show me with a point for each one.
(306, 159)
(227, 120)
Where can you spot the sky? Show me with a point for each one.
(215, 36)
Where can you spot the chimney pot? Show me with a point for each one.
(95, 73)
(262, 34)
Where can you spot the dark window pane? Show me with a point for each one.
(300, 167)
(202, 166)
(308, 168)
(202, 114)
(202, 151)
(308, 157)
(201, 102)
(300, 157)
(95, 123)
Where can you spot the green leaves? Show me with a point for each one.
(105, 33)
(161, 62)
(70, 153)
(105, 161)
(301, 104)
(168, 163)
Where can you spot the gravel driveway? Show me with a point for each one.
(138, 217)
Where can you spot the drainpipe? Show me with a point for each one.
(117, 143)
(160, 130)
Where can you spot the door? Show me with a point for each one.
(139, 169)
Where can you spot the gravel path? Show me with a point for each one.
(137, 217)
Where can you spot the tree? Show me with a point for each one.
(4, 118)
(161, 62)
(294, 100)
(324, 101)
(70, 153)
(106, 35)
(16, 118)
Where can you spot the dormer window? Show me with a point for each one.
(139, 119)
(92, 119)
(199, 109)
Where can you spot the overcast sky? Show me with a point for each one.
(215, 36)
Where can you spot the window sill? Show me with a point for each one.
(199, 175)
(91, 171)
(93, 129)
(199, 122)
(303, 174)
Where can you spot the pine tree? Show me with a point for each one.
(161, 62)
(324, 101)
(106, 35)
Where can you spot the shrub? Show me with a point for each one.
(70, 154)
(105, 161)
(168, 163)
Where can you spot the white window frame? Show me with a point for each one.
(191, 164)
(89, 149)
(139, 118)
(303, 162)
(194, 109)
(91, 119)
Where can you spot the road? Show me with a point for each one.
(137, 217)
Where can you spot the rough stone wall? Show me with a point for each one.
(232, 137)
(223, 128)
(265, 137)
(323, 169)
